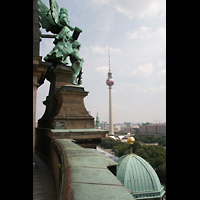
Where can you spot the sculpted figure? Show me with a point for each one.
(65, 41)
(77, 63)
(57, 23)
(62, 47)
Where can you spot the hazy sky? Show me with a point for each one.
(135, 30)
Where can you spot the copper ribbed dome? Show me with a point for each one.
(137, 175)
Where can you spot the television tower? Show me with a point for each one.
(110, 83)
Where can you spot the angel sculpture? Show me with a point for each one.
(59, 24)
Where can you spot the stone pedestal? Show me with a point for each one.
(72, 114)
(65, 115)
(65, 107)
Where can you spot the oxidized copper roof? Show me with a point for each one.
(138, 176)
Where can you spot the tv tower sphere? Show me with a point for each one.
(110, 81)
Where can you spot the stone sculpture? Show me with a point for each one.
(66, 43)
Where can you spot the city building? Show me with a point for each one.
(156, 129)
(117, 128)
(127, 124)
(104, 125)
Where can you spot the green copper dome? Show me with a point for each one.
(137, 175)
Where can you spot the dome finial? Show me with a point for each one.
(131, 141)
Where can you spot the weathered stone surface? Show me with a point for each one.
(73, 112)
(65, 115)
(65, 102)
(38, 72)
(87, 138)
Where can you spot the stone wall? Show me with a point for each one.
(79, 173)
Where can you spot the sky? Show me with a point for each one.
(135, 30)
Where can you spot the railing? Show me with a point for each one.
(65, 157)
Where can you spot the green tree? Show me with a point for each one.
(161, 171)
(150, 139)
(136, 146)
(142, 153)
(156, 161)
(116, 151)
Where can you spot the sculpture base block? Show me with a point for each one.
(87, 138)
(72, 114)
(65, 107)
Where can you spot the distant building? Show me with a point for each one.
(156, 129)
(128, 124)
(118, 127)
(104, 126)
(112, 136)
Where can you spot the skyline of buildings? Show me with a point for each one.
(129, 127)
(129, 124)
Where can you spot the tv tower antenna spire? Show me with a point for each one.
(110, 83)
(109, 57)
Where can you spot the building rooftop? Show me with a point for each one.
(138, 176)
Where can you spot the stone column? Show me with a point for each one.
(34, 112)
(39, 70)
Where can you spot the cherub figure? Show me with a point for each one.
(77, 63)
